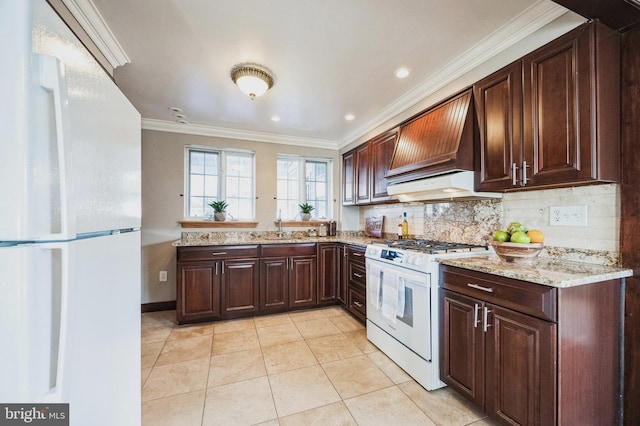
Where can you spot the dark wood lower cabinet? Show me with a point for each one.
(222, 282)
(240, 287)
(528, 354)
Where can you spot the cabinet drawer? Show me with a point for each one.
(522, 296)
(189, 254)
(357, 275)
(357, 303)
(276, 250)
(356, 255)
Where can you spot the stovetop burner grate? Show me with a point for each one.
(431, 246)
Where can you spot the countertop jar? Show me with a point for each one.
(322, 230)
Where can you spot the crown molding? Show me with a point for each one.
(532, 19)
(221, 132)
(96, 27)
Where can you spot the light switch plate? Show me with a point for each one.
(163, 276)
(568, 215)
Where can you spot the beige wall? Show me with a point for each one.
(163, 204)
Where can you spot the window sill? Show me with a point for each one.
(301, 223)
(216, 224)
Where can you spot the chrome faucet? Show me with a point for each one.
(280, 233)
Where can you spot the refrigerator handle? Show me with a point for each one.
(60, 337)
(52, 79)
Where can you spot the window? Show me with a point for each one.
(219, 175)
(304, 180)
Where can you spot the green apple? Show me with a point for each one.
(520, 237)
(500, 236)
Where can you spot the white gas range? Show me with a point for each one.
(402, 302)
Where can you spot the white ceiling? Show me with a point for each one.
(329, 58)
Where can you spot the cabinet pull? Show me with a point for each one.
(222, 267)
(358, 275)
(524, 172)
(514, 171)
(216, 268)
(476, 319)
(220, 253)
(286, 264)
(485, 323)
(358, 304)
(357, 254)
(345, 253)
(479, 287)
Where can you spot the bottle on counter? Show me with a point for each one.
(400, 231)
(405, 226)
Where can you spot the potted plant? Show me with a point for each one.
(305, 211)
(219, 210)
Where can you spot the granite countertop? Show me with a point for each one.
(206, 240)
(549, 272)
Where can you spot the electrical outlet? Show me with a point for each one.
(568, 215)
(163, 276)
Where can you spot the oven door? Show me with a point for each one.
(412, 326)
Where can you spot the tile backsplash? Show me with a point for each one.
(473, 222)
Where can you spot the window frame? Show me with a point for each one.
(222, 178)
(302, 180)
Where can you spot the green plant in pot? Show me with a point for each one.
(305, 211)
(219, 210)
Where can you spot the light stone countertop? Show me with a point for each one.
(549, 272)
(235, 241)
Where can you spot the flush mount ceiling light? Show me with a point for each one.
(253, 80)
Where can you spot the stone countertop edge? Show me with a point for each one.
(549, 272)
(358, 241)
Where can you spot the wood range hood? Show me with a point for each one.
(439, 140)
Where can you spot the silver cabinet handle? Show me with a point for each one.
(358, 275)
(345, 253)
(220, 253)
(479, 287)
(357, 254)
(222, 267)
(286, 264)
(216, 268)
(358, 304)
(485, 323)
(514, 171)
(524, 172)
(476, 320)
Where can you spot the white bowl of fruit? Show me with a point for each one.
(517, 243)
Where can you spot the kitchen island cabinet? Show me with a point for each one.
(532, 354)
(553, 118)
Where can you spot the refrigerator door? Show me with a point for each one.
(103, 377)
(71, 140)
(70, 327)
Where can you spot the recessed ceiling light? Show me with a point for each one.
(176, 110)
(182, 121)
(275, 118)
(402, 72)
(349, 117)
(180, 116)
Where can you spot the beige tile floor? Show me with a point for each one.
(312, 367)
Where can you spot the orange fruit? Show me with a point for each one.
(536, 236)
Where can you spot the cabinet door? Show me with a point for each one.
(327, 272)
(274, 289)
(462, 345)
(198, 291)
(363, 177)
(520, 368)
(302, 281)
(343, 273)
(348, 175)
(240, 286)
(381, 154)
(499, 108)
(557, 111)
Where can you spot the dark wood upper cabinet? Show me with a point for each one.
(364, 170)
(620, 15)
(381, 153)
(348, 175)
(499, 109)
(553, 118)
(363, 173)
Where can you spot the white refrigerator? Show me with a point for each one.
(70, 212)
